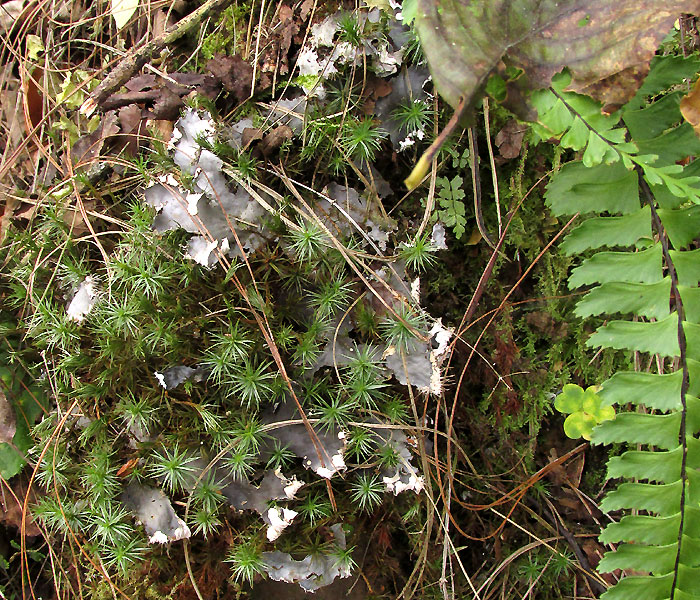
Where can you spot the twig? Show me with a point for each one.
(476, 187)
(138, 57)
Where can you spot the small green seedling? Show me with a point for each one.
(584, 409)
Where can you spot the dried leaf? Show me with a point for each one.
(10, 12)
(330, 444)
(11, 510)
(690, 107)
(235, 74)
(423, 361)
(122, 11)
(88, 147)
(509, 140)
(273, 140)
(606, 45)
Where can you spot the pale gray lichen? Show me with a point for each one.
(83, 301)
(171, 377)
(423, 362)
(152, 508)
(323, 454)
(312, 572)
(215, 208)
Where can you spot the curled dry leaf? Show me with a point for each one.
(606, 45)
(690, 107)
(88, 147)
(509, 140)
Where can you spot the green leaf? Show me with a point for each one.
(652, 120)
(464, 43)
(609, 231)
(676, 144)
(641, 428)
(665, 72)
(682, 226)
(603, 188)
(409, 9)
(658, 392)
(660, 337)
(647, 529)
(687, 266)
(658, 560)
(586, 411)
(630, 267)
(646, 300)
(640, 587)
(664, 467)
(579, 424)
(28, 403)
(598, 151)
(666, 198)
(662, 499)
(691, 303)
(570, 400)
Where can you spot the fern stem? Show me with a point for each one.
(683, 362)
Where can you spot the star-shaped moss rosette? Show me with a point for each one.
(584, 410)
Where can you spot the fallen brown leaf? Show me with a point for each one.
(509, 140)
(235, 74)
(273, 140)
(690, 107)
(11, 505)
(88, 147)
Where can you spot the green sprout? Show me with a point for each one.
(584, 410)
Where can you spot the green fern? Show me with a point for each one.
(655, 283)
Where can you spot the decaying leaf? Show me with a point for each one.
(171, 377)
(88, 147)
(122, 11)
(12, 505)
(345, 212)
(311, 573)
(235, 74)
(406, 86)
(509, 140)
(606, 45)
(404, 476)
(243, 495)
(152, 508)
(10, 12)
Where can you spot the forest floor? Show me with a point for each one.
(312, 115)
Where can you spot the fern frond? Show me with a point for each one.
(656, 289)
